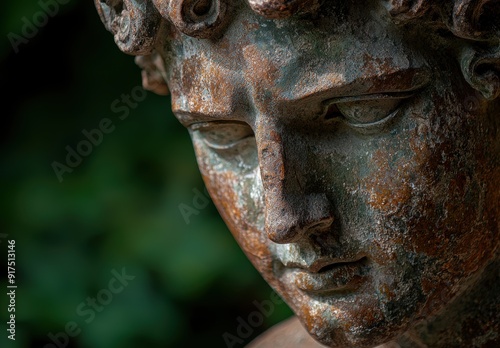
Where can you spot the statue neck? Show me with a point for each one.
(471, 320)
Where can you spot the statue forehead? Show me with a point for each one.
(260, 60)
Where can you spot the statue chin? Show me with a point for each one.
(353, 150)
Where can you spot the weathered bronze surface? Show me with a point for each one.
(353, 149)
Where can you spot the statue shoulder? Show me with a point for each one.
(291, 334)
(287, 334)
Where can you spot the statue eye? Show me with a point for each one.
(223, 135)
(366, 111)
(233, 142)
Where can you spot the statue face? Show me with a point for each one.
(351, 161)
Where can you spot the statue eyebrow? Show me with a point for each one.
(401, 80)
(374, 96)
(188, 118)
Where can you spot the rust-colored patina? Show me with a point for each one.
(353, 149)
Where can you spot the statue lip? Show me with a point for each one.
(324, 275)
(323, 263)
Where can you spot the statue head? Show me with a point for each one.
(352, 148)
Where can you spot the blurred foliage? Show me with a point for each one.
(118, 209)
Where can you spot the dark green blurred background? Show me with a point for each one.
(119, 208)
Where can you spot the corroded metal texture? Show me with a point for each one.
(134, 23)
(283, 8)
(353, 149)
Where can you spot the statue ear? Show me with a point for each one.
(477, 21)
(153, 73)
(134, 24)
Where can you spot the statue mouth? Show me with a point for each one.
(335, 276)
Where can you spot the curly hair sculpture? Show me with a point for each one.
(141, 26)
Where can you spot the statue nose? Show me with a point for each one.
(293, 209)
(291, 218)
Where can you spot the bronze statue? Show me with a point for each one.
(353, 149)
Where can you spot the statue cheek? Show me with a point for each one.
(390, 184)
(432, 201)
(239, 199)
